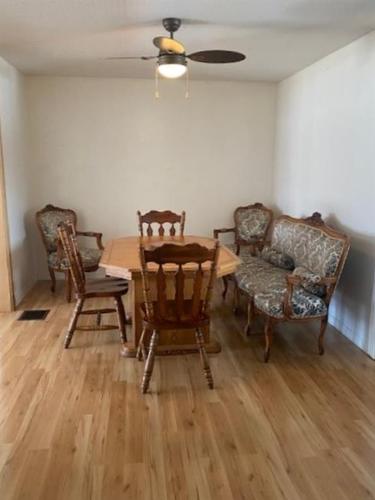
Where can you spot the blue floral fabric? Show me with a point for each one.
(49, 222)
(309, 247)
(252, 224)
(90, 257)
(310, 281)
(267, 284)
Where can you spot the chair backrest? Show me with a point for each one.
(311, 244)
(176, 263)
(161, 218)
(251, 223)
(48, 220)
(67, 235)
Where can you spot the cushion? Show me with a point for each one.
(256, 275)
(267, 284)
(277, 258)
(310, 281)
(90, 257)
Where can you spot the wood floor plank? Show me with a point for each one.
(75, 426)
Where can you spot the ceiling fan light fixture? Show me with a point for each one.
(172, 65)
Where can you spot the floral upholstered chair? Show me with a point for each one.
(48, 220)
(251, 224)
(293, 278)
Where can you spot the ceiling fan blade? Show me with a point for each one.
(216, 56)
(143, 58)
(165, 44)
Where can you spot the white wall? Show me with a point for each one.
(17, 174)
(107, 147)
(324, 161)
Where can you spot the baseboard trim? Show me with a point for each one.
(22, 293)
(349, 333)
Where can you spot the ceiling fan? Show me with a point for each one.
(172, 58)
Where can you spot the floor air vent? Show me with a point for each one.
(33, 314)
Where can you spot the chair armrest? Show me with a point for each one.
(293, 280)
(330, 283)
(223, 230)
(297, 280)
(92, 234)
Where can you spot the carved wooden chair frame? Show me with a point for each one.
(157, 315)
(161, 218)
(71, 214)
(113, 288)
(292, 281)
(240, 242)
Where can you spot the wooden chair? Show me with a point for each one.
(251, 225)
(101, 288)
(179, 312)
(47, 221)
(161, 218)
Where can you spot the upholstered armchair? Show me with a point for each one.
(251, 224)
(293, 278)
(47, 221)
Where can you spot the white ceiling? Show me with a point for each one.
(279, 37)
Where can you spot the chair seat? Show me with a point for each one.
(245, 254)
(267, 284)
(106, 287)
(245, 250)
(171, 319)
(90, 258)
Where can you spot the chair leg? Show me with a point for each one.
(268, 333)
(53, 279)
(141, 351)
(323, 326)
(236, 299)
(68, 285)
(150, 361)
(121, 318)
(206, 366)
(225, 282)
(250, 316)
(73, 322)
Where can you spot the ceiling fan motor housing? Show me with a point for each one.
(171, 24)
(172, 59)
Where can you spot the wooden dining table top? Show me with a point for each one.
(121, 256)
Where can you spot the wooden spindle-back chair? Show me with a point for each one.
(161, 218)
(100, 288)
(174, 265)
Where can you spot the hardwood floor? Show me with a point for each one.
(74, 425)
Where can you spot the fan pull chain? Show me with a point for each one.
(157, 94)
(187, 82)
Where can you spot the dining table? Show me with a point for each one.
(121, 259)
